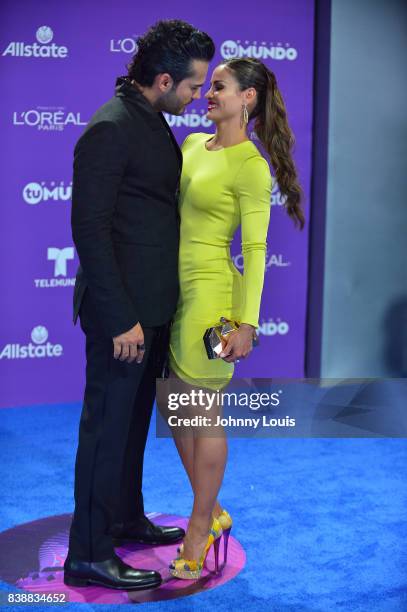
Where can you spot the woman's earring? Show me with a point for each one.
(244, 119)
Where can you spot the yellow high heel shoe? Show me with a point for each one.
(191, 569)
(225, 521)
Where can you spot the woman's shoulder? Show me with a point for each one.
(253, 170)
(251, 160)
(195, 137)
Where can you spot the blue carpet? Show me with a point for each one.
(323, 521)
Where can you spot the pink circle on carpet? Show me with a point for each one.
(36, 553)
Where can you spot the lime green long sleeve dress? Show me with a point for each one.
(220, 190)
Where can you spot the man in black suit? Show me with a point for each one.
(125, 227)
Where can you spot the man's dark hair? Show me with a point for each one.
(169, 46)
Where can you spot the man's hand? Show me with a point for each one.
(130, 345)
(239, 343)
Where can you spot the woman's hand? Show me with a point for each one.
(239, 343)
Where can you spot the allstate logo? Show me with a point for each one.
(40, 48)
(38, 348)
(33, 193)
(44, 35)
(39, 334)
(229, 49)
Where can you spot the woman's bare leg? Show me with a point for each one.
(210, 455)
(183, 441)
(186, 449)
(204, 460)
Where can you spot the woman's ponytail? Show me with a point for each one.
(273, 131)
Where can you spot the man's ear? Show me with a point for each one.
(164, 82)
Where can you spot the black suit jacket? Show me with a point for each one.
(125, 221)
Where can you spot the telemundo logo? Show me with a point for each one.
(193, 119)
(38, 348)
(60, 258)
(34, 193)
(41, 48)
(231, 49)
(273, 328)
(277, 198)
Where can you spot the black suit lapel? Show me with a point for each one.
(155, 119)
(173, 139)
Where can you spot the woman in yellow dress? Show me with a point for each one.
(225, 183)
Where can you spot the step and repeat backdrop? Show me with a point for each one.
(59, 62)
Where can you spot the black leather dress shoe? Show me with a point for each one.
(113, 574)
(143, 531)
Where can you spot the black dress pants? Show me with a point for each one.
(113, 429)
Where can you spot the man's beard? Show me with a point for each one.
(171, 104)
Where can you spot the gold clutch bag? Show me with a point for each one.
(215, 337)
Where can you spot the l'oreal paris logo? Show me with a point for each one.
(124, 45)
(48, 119)
(272, 260)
